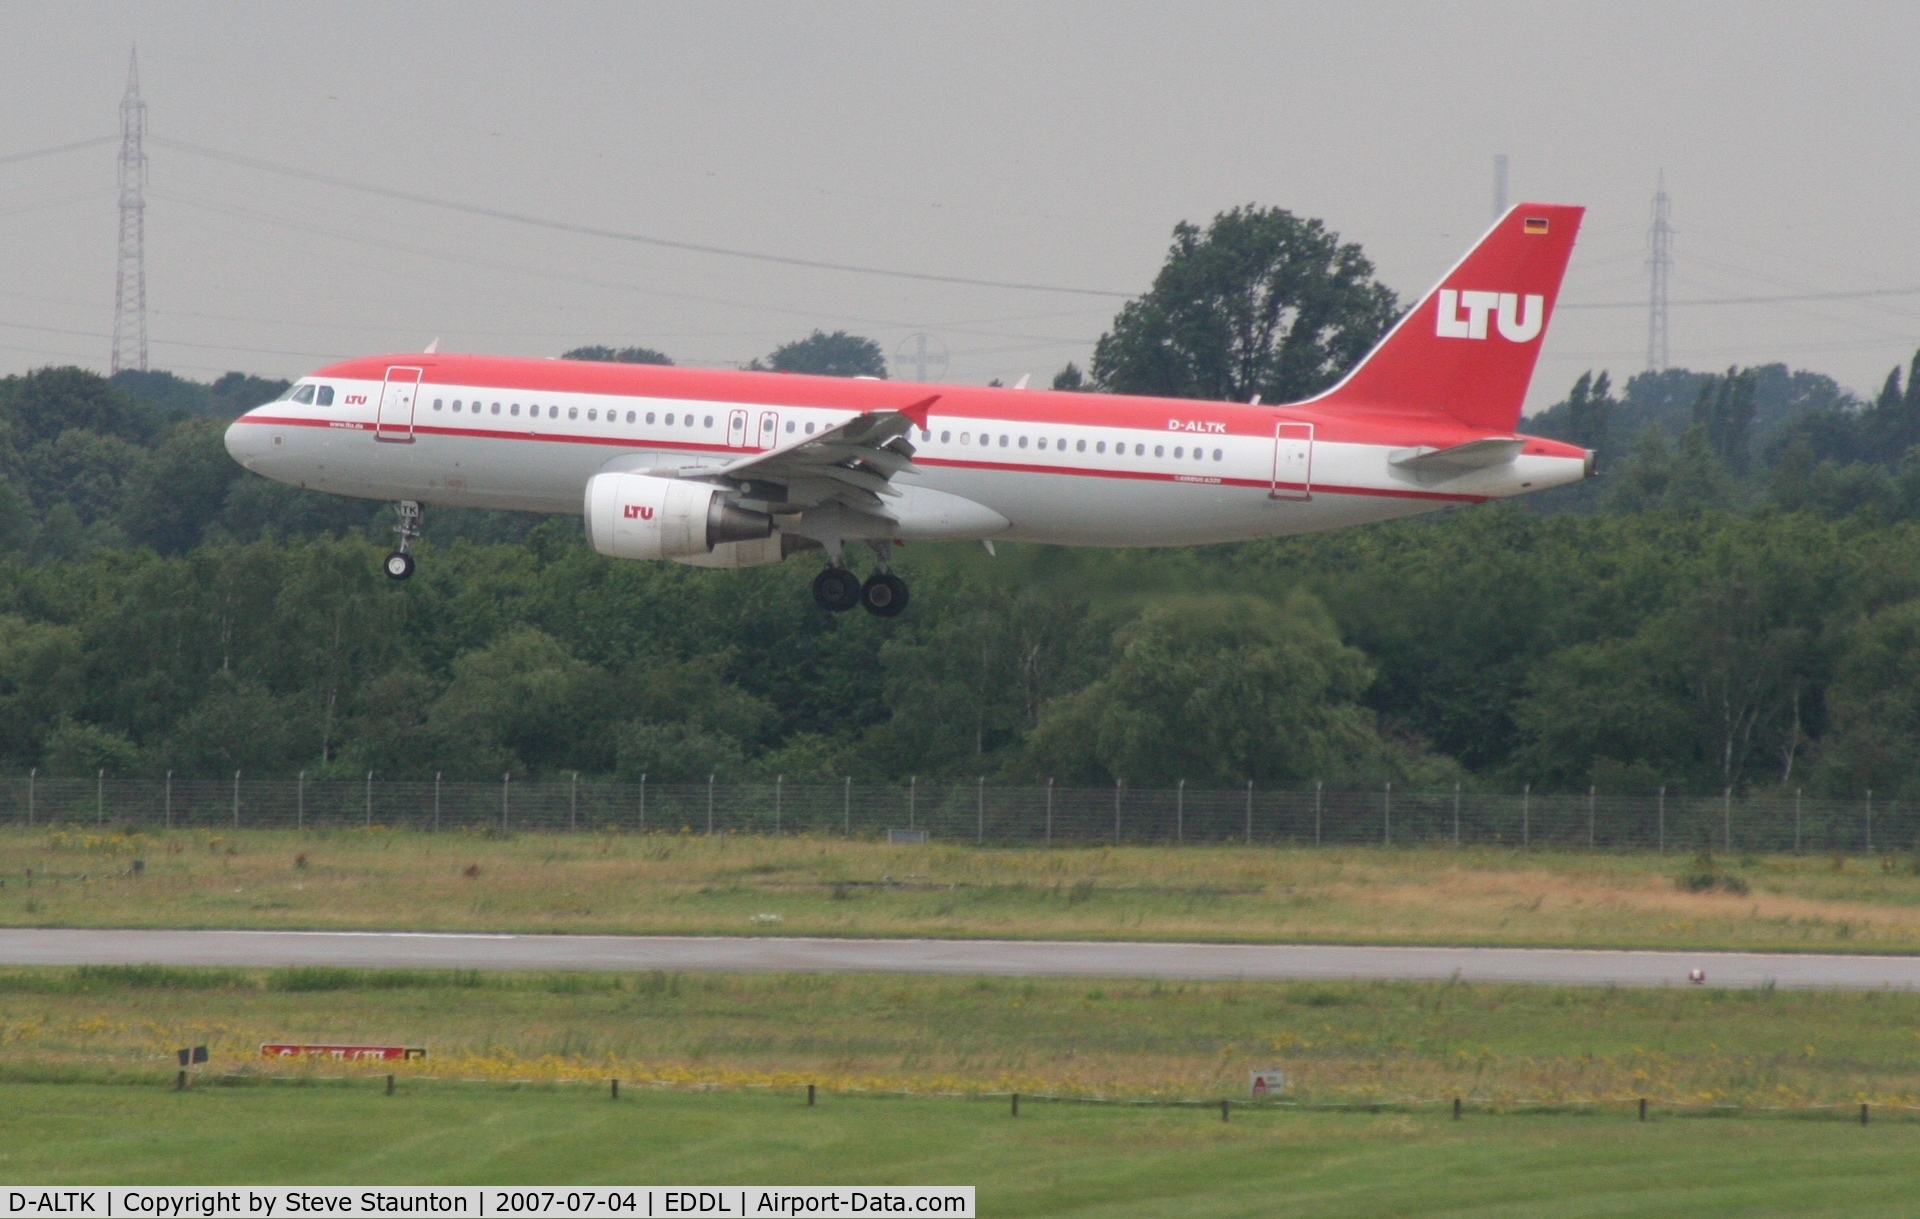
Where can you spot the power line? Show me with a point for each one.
(57, 148)
(585, 230)
(1781, 299)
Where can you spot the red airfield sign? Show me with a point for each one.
(344, 1053)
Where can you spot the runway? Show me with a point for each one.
(1007, 958)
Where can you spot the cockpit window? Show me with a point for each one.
(304, 395)
(325, 397)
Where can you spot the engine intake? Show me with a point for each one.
(640, 516)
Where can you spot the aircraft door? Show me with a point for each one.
(769, 429)
(1293, 461)
(395, 420)
(736, 429)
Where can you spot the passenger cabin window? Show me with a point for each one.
(304, 395)
(1079, 446)
(325, 397)
(709, 422)
(573, 412)
(553, 412)
(650, 417)
(496, 408)
(438, 404)
(515, 412)
(1101, 447)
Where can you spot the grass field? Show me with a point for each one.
(1052, 1160)
(1341, 1043)
(683, 883)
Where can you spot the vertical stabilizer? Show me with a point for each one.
(1469, 347)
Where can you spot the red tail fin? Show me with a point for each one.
(1469, 347)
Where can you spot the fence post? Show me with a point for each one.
(573, 802)
(1386, 813)
(1526, 815)
(236, 799)
(100, 797)
(34, 774)
(709, 805)
(779, 781)
(299, 800)
(436, 802)
(1049, 810)
(1869, 821)
(1590, 790)
(369, 807)
(1796, 821)
(1249, 828)
(1317, 785)
(846, 808)
(1116, 810)
(1726, 819)
(1663, 819)
(643, 802)
(1180, 812)
(1456, 814)
(913, 799)
(980, 810)
(506, 786)
(168, 799)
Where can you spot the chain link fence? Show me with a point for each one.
(977, 812)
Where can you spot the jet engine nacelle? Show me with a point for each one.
(640, 516)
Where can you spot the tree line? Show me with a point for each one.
(1734, 602)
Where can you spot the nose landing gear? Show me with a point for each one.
(399, 564)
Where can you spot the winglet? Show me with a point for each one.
(917, 413)
(432, 347)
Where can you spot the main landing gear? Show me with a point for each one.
(883, 594)
(399, 564)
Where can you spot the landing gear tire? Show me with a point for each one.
(884, 594)
(836, 589)
(399, 565)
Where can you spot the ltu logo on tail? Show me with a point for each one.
(639, 511)
(1517, 324)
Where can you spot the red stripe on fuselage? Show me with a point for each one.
(950, 463)
(1166, 416)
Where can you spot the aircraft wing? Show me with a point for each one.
(851, 463)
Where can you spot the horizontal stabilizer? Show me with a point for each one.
(1458, 459)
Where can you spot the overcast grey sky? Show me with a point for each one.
(1054, 144)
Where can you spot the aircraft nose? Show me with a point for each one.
(242, 441)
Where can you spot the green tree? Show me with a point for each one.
(618, 355)
(828, 355)
(1874, 704)
(1216, 690)
(172, 497)
(1260, 302)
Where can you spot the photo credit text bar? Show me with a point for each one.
(480, 1202)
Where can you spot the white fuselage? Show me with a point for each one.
(1194, 473)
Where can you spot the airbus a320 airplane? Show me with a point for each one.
(737, 469)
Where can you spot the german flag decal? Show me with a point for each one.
(1535, 226)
